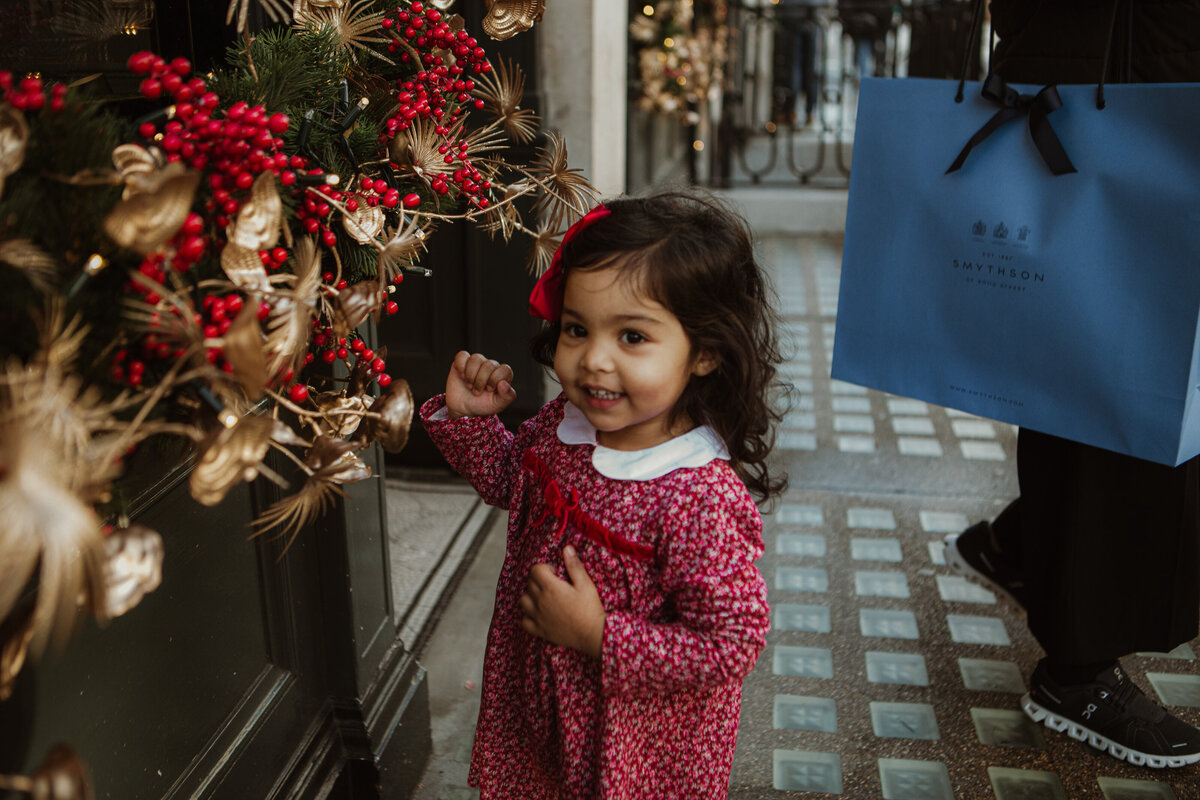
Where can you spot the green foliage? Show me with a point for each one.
(292, 69)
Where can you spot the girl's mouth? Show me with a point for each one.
(602, 394)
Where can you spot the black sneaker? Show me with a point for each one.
(974, 555)
(1111, 714)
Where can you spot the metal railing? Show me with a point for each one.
(787, 111)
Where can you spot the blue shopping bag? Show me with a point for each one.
(1065, 303)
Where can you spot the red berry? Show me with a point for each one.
(412, 200)
(392, 307)
(384, 380)
(140, 63)
(378, 365)
(358, 345)
(298, 392)
(329, 356)
(151, 89)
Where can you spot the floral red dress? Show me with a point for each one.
(670, 543)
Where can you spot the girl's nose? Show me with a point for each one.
(597, 356)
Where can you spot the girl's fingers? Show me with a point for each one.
(527, 605)
(481, 373)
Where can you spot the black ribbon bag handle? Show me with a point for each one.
(1014, 105)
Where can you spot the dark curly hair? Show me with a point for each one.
(695, 255)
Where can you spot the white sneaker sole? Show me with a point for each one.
(956, 562)
(1076, 731)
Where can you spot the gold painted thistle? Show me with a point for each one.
(507, 18)
(354, 23)
(329, 462)
(502, 90)
(567, 193)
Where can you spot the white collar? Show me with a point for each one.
(695, 448)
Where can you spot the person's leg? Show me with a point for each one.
(1109, 550)
(1110, 560)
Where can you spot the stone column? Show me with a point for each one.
(582, 67)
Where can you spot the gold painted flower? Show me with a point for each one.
(391, 417)
(507, 18)
(132, 569)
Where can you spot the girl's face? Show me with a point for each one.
(624, 360)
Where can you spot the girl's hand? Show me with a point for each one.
(564, 613)
(478, 386)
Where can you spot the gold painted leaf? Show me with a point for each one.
(290, 322)
(353, 305)
(48, 529)
(137, 168)
(229, 456)
(258, 223)
(33, 262)
(243, 348)
(244, 268)
(146, 220)
(14, 135)
(16, 631)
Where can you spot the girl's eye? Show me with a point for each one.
(574, 330)
(632, 337)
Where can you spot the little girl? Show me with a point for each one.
(629, 608)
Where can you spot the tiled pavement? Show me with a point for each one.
(885, 676)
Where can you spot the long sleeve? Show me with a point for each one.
(713, 537)
(480, 449)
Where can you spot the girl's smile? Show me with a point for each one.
(624, 360)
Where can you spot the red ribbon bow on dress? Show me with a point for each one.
(545, 301)
(558, 504)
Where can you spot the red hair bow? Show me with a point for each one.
(545, 301)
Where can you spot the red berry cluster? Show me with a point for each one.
(29, 94)
(313, 213)
(332, 349)
(441, 91)
(234, 148)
